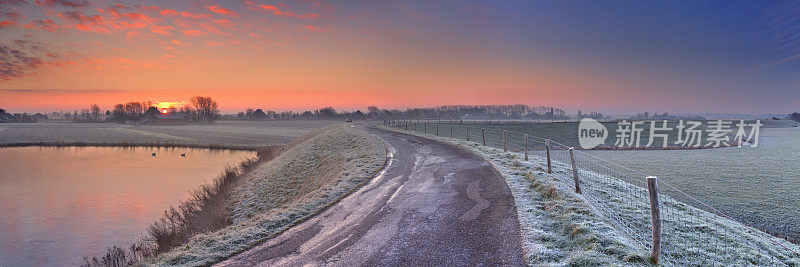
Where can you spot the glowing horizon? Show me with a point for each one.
(303, 55)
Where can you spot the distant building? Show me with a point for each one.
(39, 117)
(307, 115)
(154, 117)
(258, 115)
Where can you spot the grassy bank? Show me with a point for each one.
(560, 227)
(207, 209)
(315, 171)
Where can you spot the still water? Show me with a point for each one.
(58, 205)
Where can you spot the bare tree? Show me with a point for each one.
(95, 109)
(133, 109)
(205, 107)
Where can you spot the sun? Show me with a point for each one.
(164, 111)
(167, 104)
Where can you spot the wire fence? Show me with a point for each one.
(668, 231)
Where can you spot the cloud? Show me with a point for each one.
(44, 24)
(278, 12)
(312, 28)
(13, 2)
(221, 10)
(60, 91)
(79, 17)
(168, 12)
(65, 3)
(84, 22)
(17, 63)
(195, 33)
(13, 16)
(7, 23)
(165, 30)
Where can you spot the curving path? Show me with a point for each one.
(434, 204)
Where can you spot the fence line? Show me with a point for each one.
(671, 232)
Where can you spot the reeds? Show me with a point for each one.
(208, 209)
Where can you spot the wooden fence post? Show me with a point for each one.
(483, 136)
(655, 218)
(437, 129)
(574, 171)
(415, 126)
(451, 129)
(505, 148)
(526, 147)
(467, 133)
(547, 151)
(406, 126)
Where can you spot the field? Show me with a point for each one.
(757, 186)
(223, 133)
(561, 132)
(314, 172)
(609, 223)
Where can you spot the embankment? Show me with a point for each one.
(314, 172)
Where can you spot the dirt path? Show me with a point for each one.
(434, 204)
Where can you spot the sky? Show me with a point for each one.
(607, 56)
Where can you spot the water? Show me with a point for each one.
(58, 205)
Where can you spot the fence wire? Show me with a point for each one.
(690, 236)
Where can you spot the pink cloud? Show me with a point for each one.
(88, 28)
(165, 30)
(221, 10)
(168, 12)
(278, 12)
(7, 23)
(195, 33)
(65, 3)
(312, 28)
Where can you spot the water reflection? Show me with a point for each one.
(58, 205)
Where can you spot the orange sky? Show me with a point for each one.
(301, 55)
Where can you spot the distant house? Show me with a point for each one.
(307, 115)
(39, 117)
(7, 117)
(154, 117)
(359, 115)
(258, 115)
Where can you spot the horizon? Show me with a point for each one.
(613, 57)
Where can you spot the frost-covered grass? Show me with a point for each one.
(313, 173)
(609, 224)
(223, 133)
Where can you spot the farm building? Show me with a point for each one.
(258, 115)
(154, 117)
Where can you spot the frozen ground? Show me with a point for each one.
(227, 133)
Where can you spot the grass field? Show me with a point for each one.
(562, 132)
(757, 186)
(227, 133)
(316, 170)
(560, 227)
